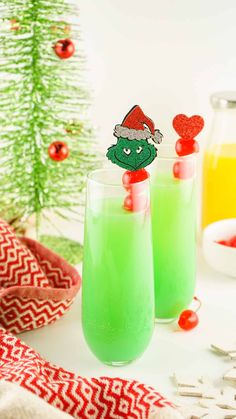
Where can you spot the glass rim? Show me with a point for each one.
(173, 156)
(106, 181)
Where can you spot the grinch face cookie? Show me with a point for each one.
(132, 154)
(133, 151)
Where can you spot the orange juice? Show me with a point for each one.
(219, 183)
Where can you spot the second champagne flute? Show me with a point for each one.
(173, 186)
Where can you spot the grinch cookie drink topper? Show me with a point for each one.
(133, 151)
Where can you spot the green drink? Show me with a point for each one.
(174, 242)
(118, 286)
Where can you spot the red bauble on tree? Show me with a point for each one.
(58, 151)
(64, 48)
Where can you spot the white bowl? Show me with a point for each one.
(221, 258)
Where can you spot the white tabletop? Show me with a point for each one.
(170, 351)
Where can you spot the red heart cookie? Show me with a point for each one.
(188, 128)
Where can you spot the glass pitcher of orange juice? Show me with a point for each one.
(219, 166)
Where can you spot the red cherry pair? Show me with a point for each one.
(230, 243)
(187, 129)
(136, 200)
(188, 319)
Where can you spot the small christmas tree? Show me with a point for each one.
(45, 139)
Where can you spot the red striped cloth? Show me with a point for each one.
(94, 398)
(36, 286)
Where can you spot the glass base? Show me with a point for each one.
(165, 321)
(117, 363)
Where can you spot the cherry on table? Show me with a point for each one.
(188, 320)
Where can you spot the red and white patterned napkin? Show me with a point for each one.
(82, 398)
(36, 286)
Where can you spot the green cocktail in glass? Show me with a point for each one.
(173, 203)
(118, 283)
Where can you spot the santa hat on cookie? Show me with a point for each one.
(137, 126)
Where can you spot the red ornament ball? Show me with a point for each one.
(184, 147)
(64, 48)
(58, 151)
(130, 177)
(188, 320)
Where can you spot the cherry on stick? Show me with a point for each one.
(183, 169)
(185, 147)
(130, 177)
(128, 203)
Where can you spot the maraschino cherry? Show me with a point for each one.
(185, 147)
(183, 169)
(230, 242)
(135, 200)
(128, 203)
(130, 177)
(188, 319)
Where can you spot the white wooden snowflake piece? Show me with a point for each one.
(230, 375)
(183, 380)
(224, 348)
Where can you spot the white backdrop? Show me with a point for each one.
(165, 55)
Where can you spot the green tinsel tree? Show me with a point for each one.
(43, 100)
